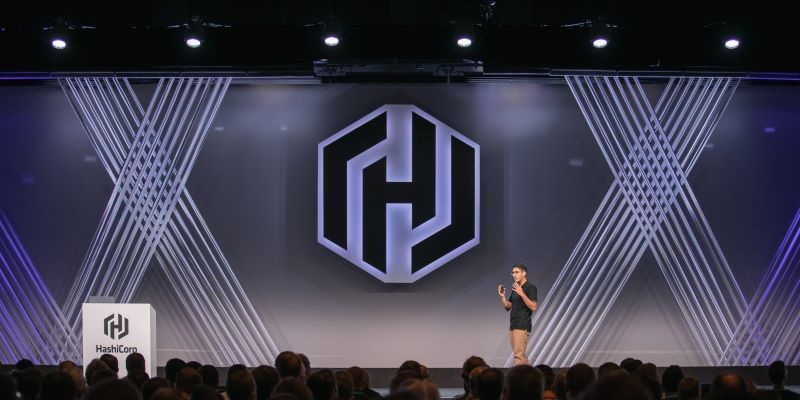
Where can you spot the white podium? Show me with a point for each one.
(119, 330)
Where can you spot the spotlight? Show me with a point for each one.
(731, 43)
(331, 40)
(464, 41)
(599, 42)
(464, 35)
(599, 32)
(193, 36)
(331, 31)
(58, 34)
(59, 43)
(193, 42)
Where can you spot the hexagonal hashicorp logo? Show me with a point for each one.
(115, 326)
(398, 193)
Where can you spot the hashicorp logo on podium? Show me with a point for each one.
(118, 328)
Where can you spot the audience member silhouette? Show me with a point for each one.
(689, 388)
(470, 363)
(266, 378)
(490, 384)
(670, 378)
(171, 369)
(241, 386)
(523, 382)
(152, 385)
(578, 380)
(58, 385)
(290, 364)
(344, 385)
(111, 361)
(188, 378)
(293, 386)
(323, 385)
(777, 375)
(361, 386)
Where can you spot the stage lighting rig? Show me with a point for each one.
(464, 35)
(193, 35)
(58, 35)
(331, 31)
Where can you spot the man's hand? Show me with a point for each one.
(518, 290)
(501, 291)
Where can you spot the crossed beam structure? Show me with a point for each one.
(768, 332)
(651, 151)
(149, 153)
(31, 323)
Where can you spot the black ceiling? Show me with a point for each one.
(284, 35)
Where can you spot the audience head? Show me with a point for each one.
(58, 385)
(94, 366)
(210, 375)
(360, 378)
(523, 382)
(292, 386)
(188, 378)
(419, 389)
(111, 361)
(102, 376)
(234, 369)
(76, 373)
(630, 364)
(171, 369)
(23, 364)
(112, 390)
(560, 386)
(413, 366)
(306, 362)
(289, 364)
(137, 377)
(469, 364)
(777, 373)
(28, 381)
(266, 378)
(649, 383)
(194, 364)
(490, 384)
(618, 385)
(154, 384)
(549, 375)
(402, 376)
(579, 378)
(689, 389)
(606, 368)
(728, 384)
(241, 386)
(670, 379)
(135, 362)
(473, 380)
(344, 385)
(648, 369)
(322, 384)
(204, 392)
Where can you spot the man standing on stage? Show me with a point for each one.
(522, 303)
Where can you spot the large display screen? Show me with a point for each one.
(367, 224)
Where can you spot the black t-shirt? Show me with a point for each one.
(520, 313)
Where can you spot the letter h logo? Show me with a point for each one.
(398, 193)
(118, 329)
